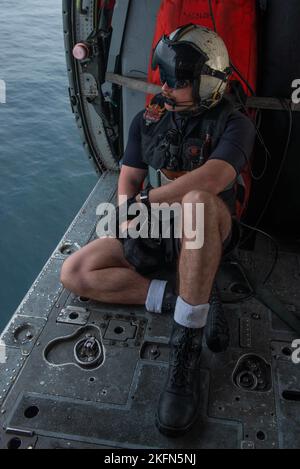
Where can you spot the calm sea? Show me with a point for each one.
(45, 175)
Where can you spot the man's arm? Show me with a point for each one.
(130, 181)
(214, 176)
(223, 166)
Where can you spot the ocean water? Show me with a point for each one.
(45, 175)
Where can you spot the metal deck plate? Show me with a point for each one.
(250, 393)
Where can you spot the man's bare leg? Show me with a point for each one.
(179, 401)
(100, 271)
(198, 267)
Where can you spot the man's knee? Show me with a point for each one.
(71, 273)
(97, 255)
(197, 197)
(200, 197)
(214, 208)
(75, 268)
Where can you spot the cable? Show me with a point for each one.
(259, 134)
(267, 277)
(256, 122)
(267, 155)
(276, 249)
(285, 154)
(261, 140)
(258, 178)
(243, 79)
(212, 15)
(231, 64)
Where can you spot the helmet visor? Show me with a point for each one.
(178, 61)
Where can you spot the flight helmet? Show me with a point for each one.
(197, 55)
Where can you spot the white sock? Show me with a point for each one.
(155, 295)
(190, 316)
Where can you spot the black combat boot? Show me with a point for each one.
(179, 402)
(216, 329)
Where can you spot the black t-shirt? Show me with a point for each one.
(235, 145)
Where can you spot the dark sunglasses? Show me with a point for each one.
(172, 82)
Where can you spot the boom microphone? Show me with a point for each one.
(172, 102)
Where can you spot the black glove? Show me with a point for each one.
(144, 254)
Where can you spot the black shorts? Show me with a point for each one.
(148, 255)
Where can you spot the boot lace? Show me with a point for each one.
(183, 355)
(219, 324)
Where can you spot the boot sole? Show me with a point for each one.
(175, 432)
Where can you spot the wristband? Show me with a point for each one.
(144, 197)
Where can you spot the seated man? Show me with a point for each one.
(198, 144)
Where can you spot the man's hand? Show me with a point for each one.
(124, 226)
(122, 217)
